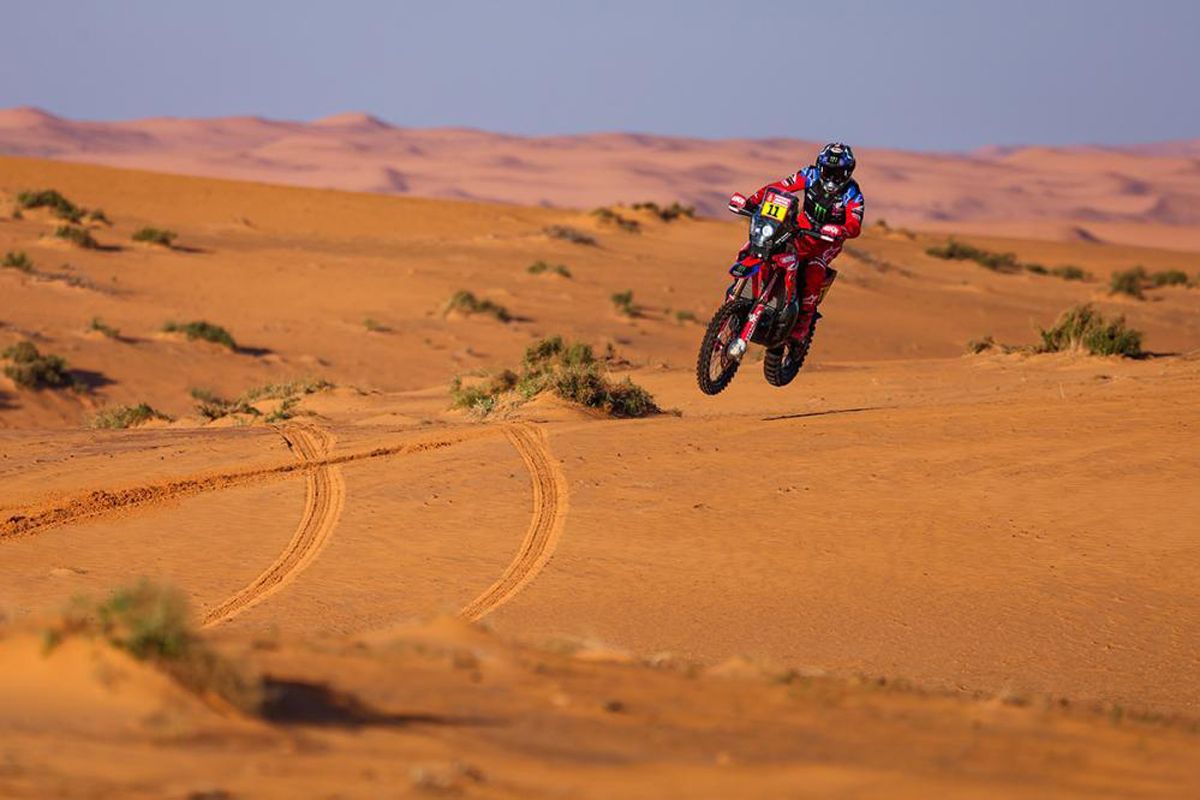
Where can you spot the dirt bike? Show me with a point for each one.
(761, 305)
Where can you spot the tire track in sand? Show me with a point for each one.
(110, 502)
(550, 498)
(324, 501)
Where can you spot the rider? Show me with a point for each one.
(833, 203)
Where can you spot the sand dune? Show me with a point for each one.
(694, 604)
(1132, 195)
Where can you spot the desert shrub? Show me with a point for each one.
(684, 315)
(624, 303)
(200, 329)
(151, 623)
(98, 215)
(1070, 272)
(976, 346)
(1085, 328)
(98, 324)
(121, 417)
(80, 237)
(540, 267)
(567, 369)
(466, 302)
(16, 259)
(1130, 282)
(1169, 277)
(31, 369)
(607, 215)
(211, 406)
(569, 234)
(375, 326)
(49, 198)
(666, 213)
(1037, 269)
(158, 236)
(955, 250)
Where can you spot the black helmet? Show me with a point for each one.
(835, 165)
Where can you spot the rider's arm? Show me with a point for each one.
(854, 212)
(792, 183)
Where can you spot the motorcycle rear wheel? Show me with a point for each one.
(715, 368)
(782, 363)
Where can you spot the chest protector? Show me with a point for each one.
(823, 209)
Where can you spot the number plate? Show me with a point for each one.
(776, 207)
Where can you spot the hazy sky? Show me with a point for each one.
(916, 74)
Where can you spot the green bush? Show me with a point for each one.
(1084, 328)
(32, 370)
(151, 623)
(121, 417)
(1130, 282)
(16, 259)
(49, 198)
(466, 302)
(155, 236)
(540, 267)
(98, 215)
(1170, 277)
(568, 370)
(624, 303)
(569, 234)
(200, 329)
(977, 346)
(77, 236)
(684, 315)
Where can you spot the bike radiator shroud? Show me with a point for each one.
(773, 327)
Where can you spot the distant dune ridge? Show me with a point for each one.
(1141, 194)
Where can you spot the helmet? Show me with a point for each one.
(835, 165)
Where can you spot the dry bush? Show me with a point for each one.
(31, 369)
(200, 329)
(623, 301)
(121, 417)
(80, 237)
(466, 302)
(569, 234)
(157, 236)
(1085, 328)
(16, 259)
(541, 267)
(151, 623)
(666, 213)
(49, 198)
(568, 370)
(610, 217)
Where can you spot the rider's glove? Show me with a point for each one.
(835, 232)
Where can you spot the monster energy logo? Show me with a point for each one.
(819, 211)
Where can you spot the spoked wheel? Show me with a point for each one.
(715, 368)
(783, 362)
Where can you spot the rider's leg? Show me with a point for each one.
(812, 284)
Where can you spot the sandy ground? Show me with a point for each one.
(1137, 195)
(913, 571)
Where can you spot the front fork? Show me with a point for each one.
(737, 348)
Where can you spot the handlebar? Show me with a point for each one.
(798, 231)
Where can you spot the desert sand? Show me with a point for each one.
(914, 572)
(1135, 195)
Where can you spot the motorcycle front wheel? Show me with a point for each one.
(715, 368)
